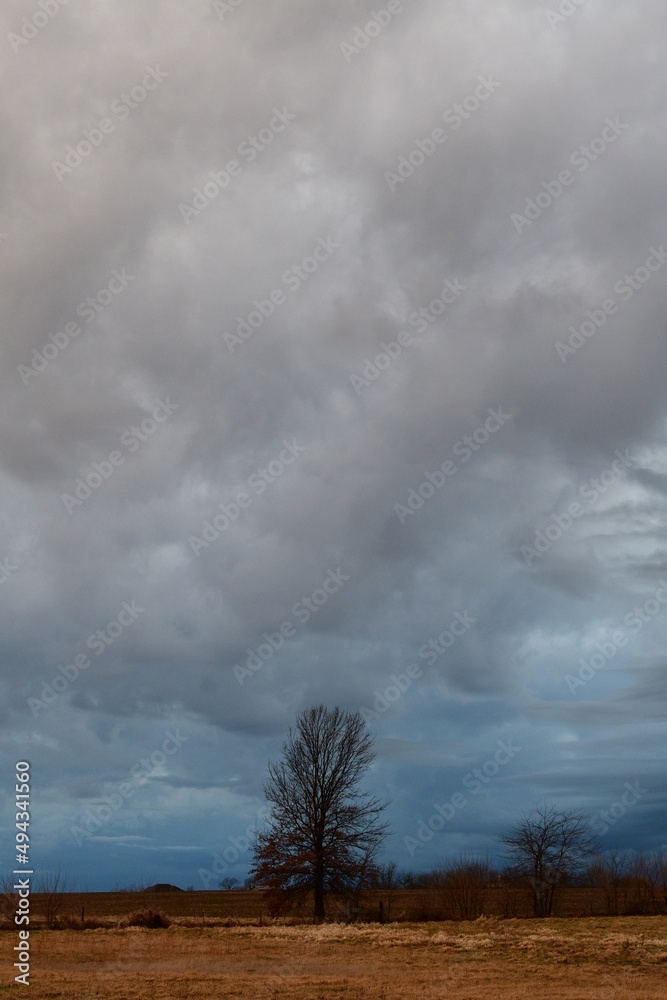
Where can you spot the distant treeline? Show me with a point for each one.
(618, 883)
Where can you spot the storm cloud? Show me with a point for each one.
(327, 329)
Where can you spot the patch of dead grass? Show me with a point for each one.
(599, 959)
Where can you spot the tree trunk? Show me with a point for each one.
(318, 880)
(319, 899)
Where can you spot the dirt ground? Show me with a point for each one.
(572, 959)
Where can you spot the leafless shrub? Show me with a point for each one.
(8, 899)
(463, 886)
(647, 881)
(147, 917)
(512, 894)
(53, 889)
(610, 873)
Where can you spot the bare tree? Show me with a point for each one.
(463, 886)
(323, 834)
(662, 861)
(512, 894)
(610, 873)
(53, 889)
(387, 877)
(228, 883)
(647, 879)
(547, 847)
(8, 897)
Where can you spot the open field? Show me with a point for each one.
(572, 959)
(411, 905)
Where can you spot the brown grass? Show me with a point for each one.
(572, 959)
(195, 908)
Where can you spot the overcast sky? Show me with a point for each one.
(333, 349)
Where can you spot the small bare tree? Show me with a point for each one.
(646, 876)
(463, 886)
(228, 883)
(53, 889)
(388, 879)
(512, 894)
(609, 873)
(547, 847)
(8, 897)
(662, 861)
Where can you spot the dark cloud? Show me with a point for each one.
(132, 280)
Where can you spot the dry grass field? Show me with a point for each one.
(572, 959)
(409, 905)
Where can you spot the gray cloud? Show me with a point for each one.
(314, 130)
